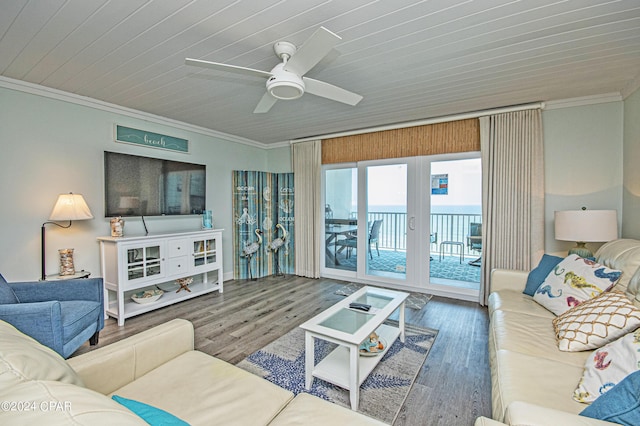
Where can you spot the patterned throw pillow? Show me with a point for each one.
(573, 281)
(596, 322)
(607, 366)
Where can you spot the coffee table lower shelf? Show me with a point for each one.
(334, 368)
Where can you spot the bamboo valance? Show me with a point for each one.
(431, 139)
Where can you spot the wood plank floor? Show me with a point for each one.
(452, 388)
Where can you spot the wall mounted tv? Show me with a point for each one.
(144, 186)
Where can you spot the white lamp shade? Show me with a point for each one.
(70, 207)
(586, 225)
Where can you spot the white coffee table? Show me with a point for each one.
(344, 366)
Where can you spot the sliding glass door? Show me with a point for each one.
(366, 221)
(384, 240)
(455, 223)
(404, 223)
(340, 219)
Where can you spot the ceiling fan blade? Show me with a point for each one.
(329, 91)
(227, 68)
(265, 104)
(312, 51)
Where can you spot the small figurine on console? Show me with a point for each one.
(184, 284)
(372, 344)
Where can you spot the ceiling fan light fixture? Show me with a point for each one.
(287, 80)
(285, 90)
(284, 85)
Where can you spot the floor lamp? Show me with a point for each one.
(68, 207)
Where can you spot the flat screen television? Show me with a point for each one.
(144, 186)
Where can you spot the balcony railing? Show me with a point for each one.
(444, 227)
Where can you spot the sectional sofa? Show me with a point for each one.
(533, 381)
(156, 374)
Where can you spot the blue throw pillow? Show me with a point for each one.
(620, 404)
(152, 415)
(7, 296)
(537, 276)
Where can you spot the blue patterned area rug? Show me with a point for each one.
(382, 393)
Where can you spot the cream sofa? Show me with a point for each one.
(532, 381)
(158, 367)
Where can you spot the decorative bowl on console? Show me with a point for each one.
(147, 296)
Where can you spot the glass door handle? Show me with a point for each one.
(412, 223)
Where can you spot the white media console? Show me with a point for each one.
(134, 264)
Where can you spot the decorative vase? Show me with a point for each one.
(117, 227)
(66, 262)
(207, 219)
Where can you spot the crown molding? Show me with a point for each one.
(631, 87)
(277, 145)
(583, 100)
(48, 92)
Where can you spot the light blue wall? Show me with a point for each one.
(279, 159)
(583, 163)
(631, 220)
(50, 146)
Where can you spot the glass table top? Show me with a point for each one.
(349, 320)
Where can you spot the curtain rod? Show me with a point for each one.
(443, 119)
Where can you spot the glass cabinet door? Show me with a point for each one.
(143, 262)
(204, 252)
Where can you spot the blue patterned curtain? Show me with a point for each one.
(263, 229)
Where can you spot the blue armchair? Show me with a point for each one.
(59, 314)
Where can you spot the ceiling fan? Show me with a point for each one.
(286, 80)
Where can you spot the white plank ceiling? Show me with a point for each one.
(410, 59)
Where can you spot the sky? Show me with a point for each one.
(388, 184)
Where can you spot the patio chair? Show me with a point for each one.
(433, 239)
(328, 213)
(352, 242)
(474, 241)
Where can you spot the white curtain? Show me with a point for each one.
(513, 192)
(307, 172)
